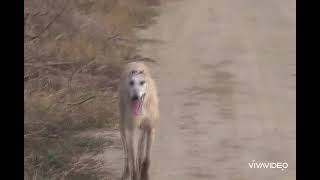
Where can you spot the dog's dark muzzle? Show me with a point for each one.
(135, 98)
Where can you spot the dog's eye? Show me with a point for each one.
(142, 83)
(131, 83)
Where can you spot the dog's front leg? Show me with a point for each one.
(125, 174)
(131, 155)
(141, 151)
(150, 133)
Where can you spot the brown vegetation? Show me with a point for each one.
(73, 54)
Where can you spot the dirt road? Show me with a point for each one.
(226, 80)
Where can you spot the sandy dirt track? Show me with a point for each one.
(226, 80)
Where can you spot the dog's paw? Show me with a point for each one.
(145, 170)
(125, 175)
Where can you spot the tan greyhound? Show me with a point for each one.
(139, 112)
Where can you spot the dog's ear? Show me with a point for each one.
(141, 72)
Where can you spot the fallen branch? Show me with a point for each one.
(81, 101)
(149, 60)
(139, 58)
(112, 37)
(48, 25)
(140, 26)
(31, 76)
(78, 70)
(26, 18)
(37, 132)
(51, 64)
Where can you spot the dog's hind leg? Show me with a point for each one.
(150, 133)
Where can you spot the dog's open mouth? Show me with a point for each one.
(136, 106)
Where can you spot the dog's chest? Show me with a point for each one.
(136, 121)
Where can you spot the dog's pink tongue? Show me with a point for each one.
(136, 107)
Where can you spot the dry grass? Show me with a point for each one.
(73, 54)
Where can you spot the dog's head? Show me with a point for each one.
(137, 86)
